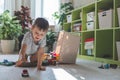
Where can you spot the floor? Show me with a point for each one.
(82, 70)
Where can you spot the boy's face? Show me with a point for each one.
(38, 34)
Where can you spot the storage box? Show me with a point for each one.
(105, 19)
(118, 49)
(69, 18)
(77, 27)
(90, 25)
(67, 46)
(89, 52)
(118, 10)
(89, 45)
(90, 16)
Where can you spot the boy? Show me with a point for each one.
(33, 44)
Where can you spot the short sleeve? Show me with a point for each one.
(26, 38)
(43, 42)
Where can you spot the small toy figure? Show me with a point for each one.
(25, 73)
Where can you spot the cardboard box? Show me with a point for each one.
(105, 19)
(67, 46)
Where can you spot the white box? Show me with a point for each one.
(69, 18)
(89, 45)
(89, 52)
(90, 25)
(118, 49)
(90, 16)
(105, 19)
(118, 10)
(77, 27)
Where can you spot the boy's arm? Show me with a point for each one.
(22, 57)
(22, 52)
(40, 54)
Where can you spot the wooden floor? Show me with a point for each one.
(82, 70)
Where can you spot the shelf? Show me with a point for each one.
(66, 23)
(77, 15)
(117, 28)
(117, 3)
(69, 12)
(78, 20)
(104, 43)
(105, 35)
(86, 57)
(76, 33)
(104, 29)
(109, 61)
(89, 8)
(67, 27)
(105, 4)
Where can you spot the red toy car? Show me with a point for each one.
(25, 73)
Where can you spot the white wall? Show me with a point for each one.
(13, 5)
(79, 3)
(10, 5)
(66, 1)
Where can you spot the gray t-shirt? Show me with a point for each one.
(31, 46)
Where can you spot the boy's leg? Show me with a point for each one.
(34, 59)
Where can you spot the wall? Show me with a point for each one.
(79, 3)
(13, 5)
(66, 1)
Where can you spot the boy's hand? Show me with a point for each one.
(24, 59)
(41, 68)
(19, 62)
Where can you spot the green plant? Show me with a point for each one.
(56, 15)
(50, 39)
(9, 26)
(64, 8)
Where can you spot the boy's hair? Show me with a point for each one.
(41, 23)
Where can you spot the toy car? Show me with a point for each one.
(25, 73)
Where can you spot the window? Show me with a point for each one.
(49, 7)
(1, 6)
